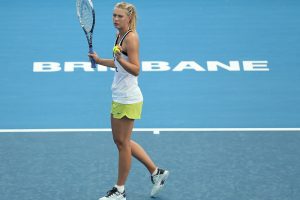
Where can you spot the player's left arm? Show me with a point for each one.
(132, 66)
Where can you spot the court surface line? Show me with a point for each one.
(152, 130)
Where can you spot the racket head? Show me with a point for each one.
(86, 15)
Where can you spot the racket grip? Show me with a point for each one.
(93, 63)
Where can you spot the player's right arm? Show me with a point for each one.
(101, 61)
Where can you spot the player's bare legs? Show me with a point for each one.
(139, 153)
(121, 130)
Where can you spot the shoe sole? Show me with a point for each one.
(119, 198)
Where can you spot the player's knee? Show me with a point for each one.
(121, 143)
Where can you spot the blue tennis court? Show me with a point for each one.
(228, 69)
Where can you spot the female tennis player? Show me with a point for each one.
(127, 101)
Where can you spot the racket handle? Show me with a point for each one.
(93, 63)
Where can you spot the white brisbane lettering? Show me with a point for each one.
(71, 66)
(256, 65)
(68, 67)
(155, 66)
(214, 65)
(158, 66)
(183, 65)
(46, 67)
(84, 66)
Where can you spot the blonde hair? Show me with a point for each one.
(131, 13)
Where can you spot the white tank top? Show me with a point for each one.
(125, 87)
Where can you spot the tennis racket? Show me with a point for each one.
(86, 15)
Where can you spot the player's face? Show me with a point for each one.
(120, 19)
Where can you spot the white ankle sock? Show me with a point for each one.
(155, 171)
(120, 188)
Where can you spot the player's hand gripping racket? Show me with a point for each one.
(86, 15)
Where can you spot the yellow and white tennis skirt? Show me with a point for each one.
(131, 111)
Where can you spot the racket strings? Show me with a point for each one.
(86, 15)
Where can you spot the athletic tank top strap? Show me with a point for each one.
(122, 39)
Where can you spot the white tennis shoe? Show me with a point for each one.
(158, 181)
(114, 194)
